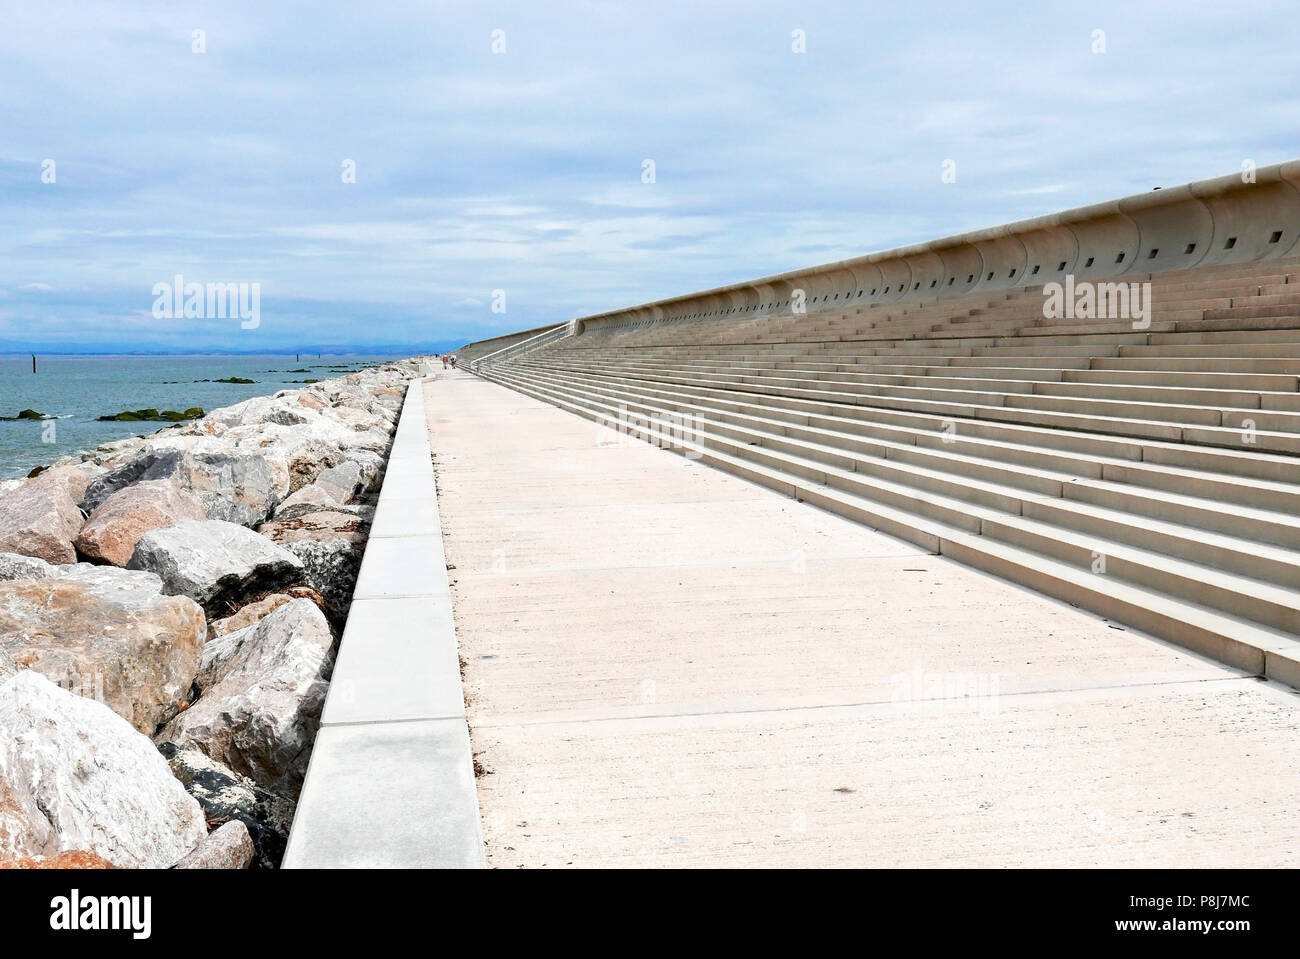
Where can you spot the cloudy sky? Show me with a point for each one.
(522, 170)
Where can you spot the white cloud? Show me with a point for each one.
(637, 195)
(523, 171)
(380, 233)
(1038, 190)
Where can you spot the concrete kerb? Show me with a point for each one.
(391, 780)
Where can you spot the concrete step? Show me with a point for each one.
(1241, 461)
(951, 473)
(1269, 427)
(1282, 320)
(1044, 470)
(1218, 388)
(1228, 336)
(1256, 307)
(1285, 349)
(1161, 387)
(1198, 364)
(943, 367)
(989, 537)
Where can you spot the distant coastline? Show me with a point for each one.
(379, 350)
(74, 391)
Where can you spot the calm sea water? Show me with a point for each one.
(77, 389)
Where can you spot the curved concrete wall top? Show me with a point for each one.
(1221, 220)
(479, 348)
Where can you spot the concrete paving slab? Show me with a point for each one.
(402, 566)
(413, 782)
(409, 447)
(406, 482)
(411, 456)
(406, 515)
(397, 661)
(408, 458)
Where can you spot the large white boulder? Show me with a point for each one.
(75, 775)
(263, 690)
(107, 633)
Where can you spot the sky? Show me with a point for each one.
(501, 178)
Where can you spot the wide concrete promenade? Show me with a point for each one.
(666, 665)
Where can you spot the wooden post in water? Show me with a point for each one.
(33, 362)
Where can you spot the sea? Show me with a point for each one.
(73, 391)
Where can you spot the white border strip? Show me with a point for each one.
(391, 779)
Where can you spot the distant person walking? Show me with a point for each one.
(453, 361)
(444, 361)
